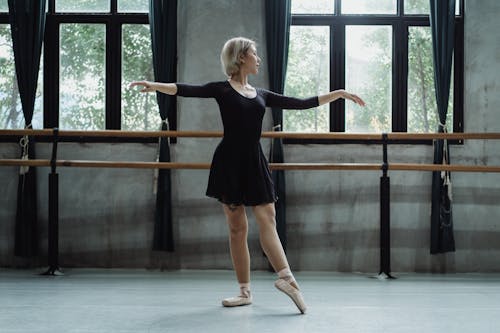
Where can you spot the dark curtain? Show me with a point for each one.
(27, 22)
(442, 18)
(163, 24)
(278, 20)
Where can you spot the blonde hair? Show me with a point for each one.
(231, 52)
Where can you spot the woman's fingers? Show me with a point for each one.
(356, 99)
(146, 86)
(137, 83)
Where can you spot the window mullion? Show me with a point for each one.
(337, 76)
(400, 77)
(51, 73)
(113, 74)
(458, 77)
(114, 6)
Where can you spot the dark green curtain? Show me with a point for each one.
(27, 23)
(278, 18)
(163, 24)
(442, 18)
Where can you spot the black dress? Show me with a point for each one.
(239, 174)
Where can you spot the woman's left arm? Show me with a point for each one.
(341, 93)
(286, 102)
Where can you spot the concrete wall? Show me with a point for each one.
(106, 216)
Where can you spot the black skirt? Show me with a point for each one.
(240, 176)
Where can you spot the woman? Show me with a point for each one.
(239, 174)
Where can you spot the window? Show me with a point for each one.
(133, 6)
(93, 50)
(312, 7)
(369, 7)
(82, 76)
(308, 75)
(421, 101)
(83, 6)
(378, 49)
(11, 112)
(368, 73)
(139, 111)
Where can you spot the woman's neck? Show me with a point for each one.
(240, 78)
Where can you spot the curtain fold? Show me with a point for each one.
(278, 19)
(163, 25)
(442, 19)
(27, 22)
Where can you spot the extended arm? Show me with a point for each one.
(148, 86)
(179, 89)
(285, 102)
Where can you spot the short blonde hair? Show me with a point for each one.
(231, 52)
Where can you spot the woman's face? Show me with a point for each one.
(251, 61)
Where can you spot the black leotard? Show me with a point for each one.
(239, 174)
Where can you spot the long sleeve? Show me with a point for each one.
(203, 91)
(285, 102)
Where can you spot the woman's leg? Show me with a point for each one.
(238, 231)
(269, 239)
(270, 242)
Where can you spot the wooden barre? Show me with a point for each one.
(273, 166)
(283, 135)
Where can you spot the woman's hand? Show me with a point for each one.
(341, 93)
(147, 86)
(352, 97)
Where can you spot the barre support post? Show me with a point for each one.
(53, 241)
(385, 217)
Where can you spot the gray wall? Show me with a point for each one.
(106, 215)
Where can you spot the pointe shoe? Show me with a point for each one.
(295, 294)
(243, 299)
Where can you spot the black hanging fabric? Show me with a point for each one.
(163, 25)
(278, 18)
(442, 19)
(27, 23)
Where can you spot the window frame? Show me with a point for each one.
(113, 21)
(400, 29)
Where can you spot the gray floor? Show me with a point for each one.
(92, 300)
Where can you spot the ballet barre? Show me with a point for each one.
(383, 138)
(277, 135)
(272, 166)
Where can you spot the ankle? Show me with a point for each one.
(245, 289)
(286, 274)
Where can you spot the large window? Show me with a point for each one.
(92, 50)
(96, 48)
(378, 49)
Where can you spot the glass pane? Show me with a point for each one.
(3, 6)
(135, 6)
(313, 6)
(369, 7)
(423, 7)
(422, 108)
(308, 74)
(139, 111)
(11, 112)
(369, 74)
(82, 76)
(83, 6)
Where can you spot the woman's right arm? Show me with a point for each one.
(148, 86)
(208, 90)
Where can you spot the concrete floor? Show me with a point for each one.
(98, 300)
